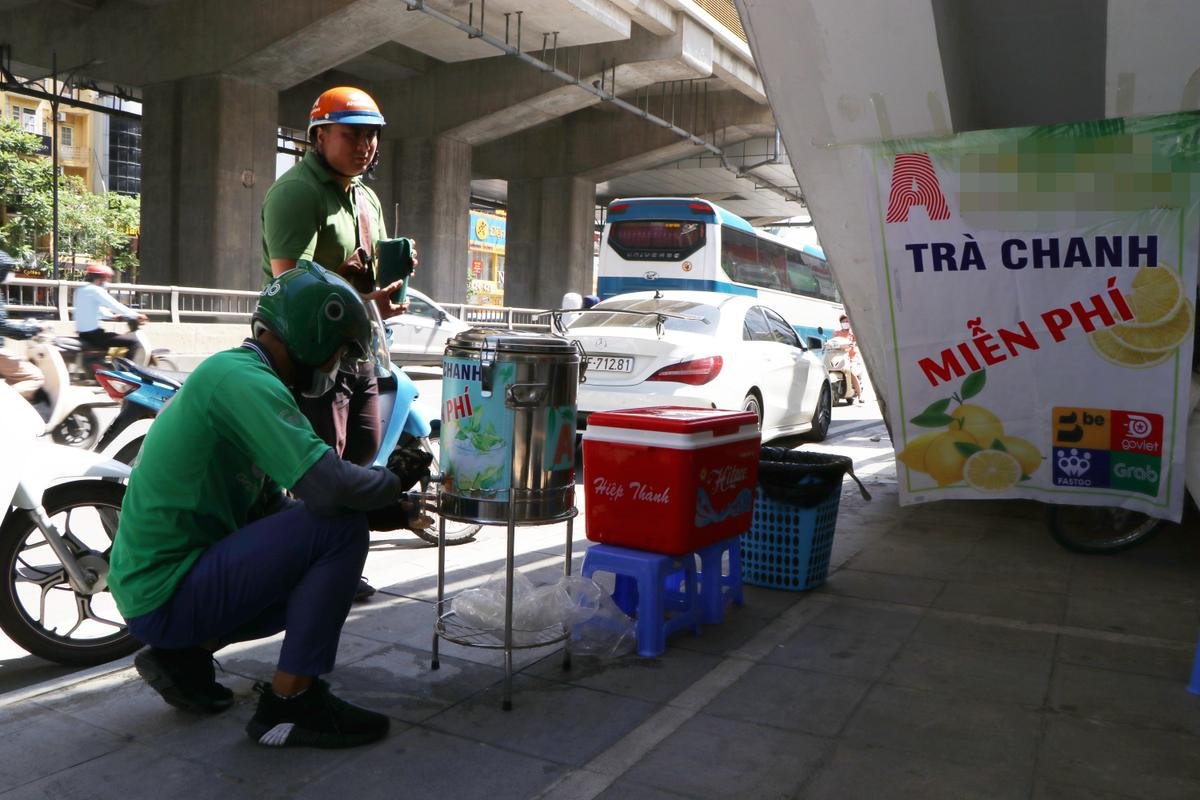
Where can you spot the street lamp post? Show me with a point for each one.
(54, 154)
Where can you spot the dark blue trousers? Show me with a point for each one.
(293, 571)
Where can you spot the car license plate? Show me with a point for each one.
(610, 363)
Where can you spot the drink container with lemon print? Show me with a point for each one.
(1041, 310)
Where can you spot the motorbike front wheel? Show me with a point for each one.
(1099, 529)
(80, 429)
(39, 609)
(456, 532)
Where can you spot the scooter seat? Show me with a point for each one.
(172, 379)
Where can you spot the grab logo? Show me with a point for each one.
(914, 183)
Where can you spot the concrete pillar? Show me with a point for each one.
(548, 250)
(208, 157)
(435, 194)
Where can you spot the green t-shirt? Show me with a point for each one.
(203, 466)
(306, 214)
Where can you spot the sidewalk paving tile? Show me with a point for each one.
(1127, 612)
(422, 763)
(865, 771)
(875, 618)
(1124, 698)
(655, 680)
(978, 731)
(904, 589)
(36, 741)
(1139, 658)
(549, 720)
(987, 635)
(792, 699)
(710, 757)
(1003, 602)
(1139, 762)
(837, 651)
(986, 675)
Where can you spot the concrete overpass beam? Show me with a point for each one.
(655, 16)
(502, 96)
(548, 248)
(208, 157)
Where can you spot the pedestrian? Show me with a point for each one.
(209, 551)
(856, 364)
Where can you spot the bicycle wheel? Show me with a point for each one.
(456, 532)
(1099, 529)
(39, 609)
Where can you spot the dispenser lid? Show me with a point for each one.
(502, 340)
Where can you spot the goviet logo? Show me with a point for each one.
(914, 183)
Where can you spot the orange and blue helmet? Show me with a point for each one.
(345, 105)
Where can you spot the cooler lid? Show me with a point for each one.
(502, 340)
(675, 419)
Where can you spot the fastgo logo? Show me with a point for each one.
(914, 183)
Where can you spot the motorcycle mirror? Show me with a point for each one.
(815, 343)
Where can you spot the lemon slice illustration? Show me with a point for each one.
(1156, 338)
(1113, 351)
(1156, 295)
(991, 471)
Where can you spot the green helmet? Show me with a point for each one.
(315, 312)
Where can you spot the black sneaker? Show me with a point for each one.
(313, 718)
(364, 592)
(185, 678)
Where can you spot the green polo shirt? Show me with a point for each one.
(307, 214)
(202, 468)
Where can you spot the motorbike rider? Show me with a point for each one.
(320, 209)
(93, 303)
(17, 371)
(209, 551)
(853, 355)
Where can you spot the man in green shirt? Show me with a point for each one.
(210, 552)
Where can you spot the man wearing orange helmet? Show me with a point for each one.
(320, 210)
(93, 303)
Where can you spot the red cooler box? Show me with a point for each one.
(667, 479)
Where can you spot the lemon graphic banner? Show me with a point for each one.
(1041, 310)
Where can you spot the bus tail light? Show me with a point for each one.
(618, 208)
(700, 208)
(696, 372)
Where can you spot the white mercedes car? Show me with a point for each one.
(703, 349)
(419, 336)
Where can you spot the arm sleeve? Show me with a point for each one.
(108, 302)
(290, 218)
(332, 485)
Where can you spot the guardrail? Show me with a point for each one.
(47, 299)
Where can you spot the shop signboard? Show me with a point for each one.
(1040, 290)
(487, 233)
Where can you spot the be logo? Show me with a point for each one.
(914, 183)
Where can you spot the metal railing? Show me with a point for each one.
(47, 299)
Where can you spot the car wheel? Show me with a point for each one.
(752, 403)
(822, 415)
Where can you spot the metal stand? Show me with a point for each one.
(453, 629)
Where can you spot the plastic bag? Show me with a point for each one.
(597, 627)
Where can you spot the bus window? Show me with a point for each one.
(739, 255)
(772, 263)
(653, 240)
(800, 275)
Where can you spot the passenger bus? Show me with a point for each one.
(686, 243)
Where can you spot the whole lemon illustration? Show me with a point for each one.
(913, 454)
(1023, 451)
(982, 425)
(943, 460)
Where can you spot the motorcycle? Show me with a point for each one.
(59, 511)
(143, 392)
(71, 418)
(1104, 529)
(83, 360)
(839, 365)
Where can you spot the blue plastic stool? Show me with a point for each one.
(716, 588)
(641, 581)
(1194, 685)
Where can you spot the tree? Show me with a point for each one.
(26, 190)
(96, 224)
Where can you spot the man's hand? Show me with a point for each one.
(383, 300)
(355, 264)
